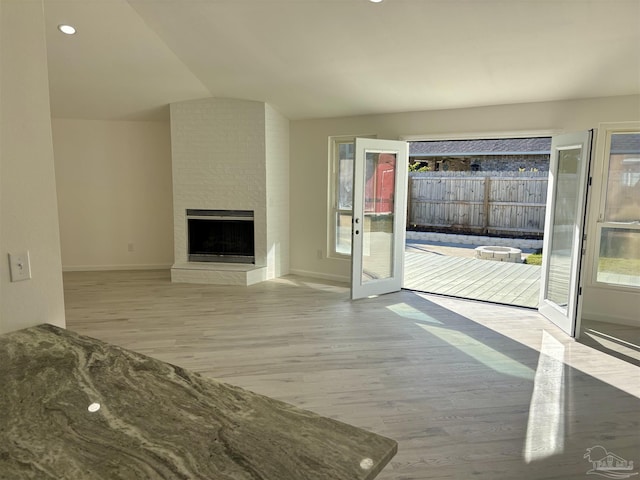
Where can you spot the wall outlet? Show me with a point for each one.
(131, 247)
(20, 266)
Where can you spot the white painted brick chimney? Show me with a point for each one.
(230, 154)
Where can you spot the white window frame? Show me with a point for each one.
(333, 188)
(596, 218)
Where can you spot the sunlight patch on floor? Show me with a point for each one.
(545, 426)
(486, 355)
(407, 311)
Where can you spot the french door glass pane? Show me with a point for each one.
(564, 215)
(378, 231)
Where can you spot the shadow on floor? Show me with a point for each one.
(620, 341)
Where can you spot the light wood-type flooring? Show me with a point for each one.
(469, 390)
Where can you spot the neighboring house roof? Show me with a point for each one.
(502, 146)
(620, 144)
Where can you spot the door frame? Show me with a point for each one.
(393, 283)
(568, 319)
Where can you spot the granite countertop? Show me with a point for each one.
(72, 407)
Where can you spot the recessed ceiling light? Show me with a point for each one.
(375, 1)
(67, 29)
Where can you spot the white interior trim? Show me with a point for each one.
(481, 135)
(617, 320)
(95, 268)
(323, 276)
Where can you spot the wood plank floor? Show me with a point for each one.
(461, 385)
(499, 282)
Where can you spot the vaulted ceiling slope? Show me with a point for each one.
(325, 58)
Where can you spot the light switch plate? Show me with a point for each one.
(19, 266)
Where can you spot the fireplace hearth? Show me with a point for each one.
(225, 236)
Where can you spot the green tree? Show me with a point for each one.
(418, 167)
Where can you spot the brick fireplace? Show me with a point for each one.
(229, 157)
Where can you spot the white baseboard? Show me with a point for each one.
(97, 268)
(323, 276)
(611, 319)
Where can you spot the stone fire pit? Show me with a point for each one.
(499, 254)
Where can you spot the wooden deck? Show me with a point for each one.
(499, 282)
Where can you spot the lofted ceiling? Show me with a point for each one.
(326, 58)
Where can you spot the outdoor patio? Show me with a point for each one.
(434, 269)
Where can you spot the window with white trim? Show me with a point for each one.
(341, 196)
(618, 230)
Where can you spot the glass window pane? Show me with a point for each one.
(343, 233)
(623, 183)
(345, 176)
(619, 255)
(564, 219)
(378, 234)
(619, 260)
(371, 161)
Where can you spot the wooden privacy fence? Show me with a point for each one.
(478, 202)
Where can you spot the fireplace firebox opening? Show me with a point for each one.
(220, 236)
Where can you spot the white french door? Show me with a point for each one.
(563, 249)
(379, 216)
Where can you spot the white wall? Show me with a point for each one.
(277, 176)
(114, 194)
(28, 210)
(309, 155)
(218, 149)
